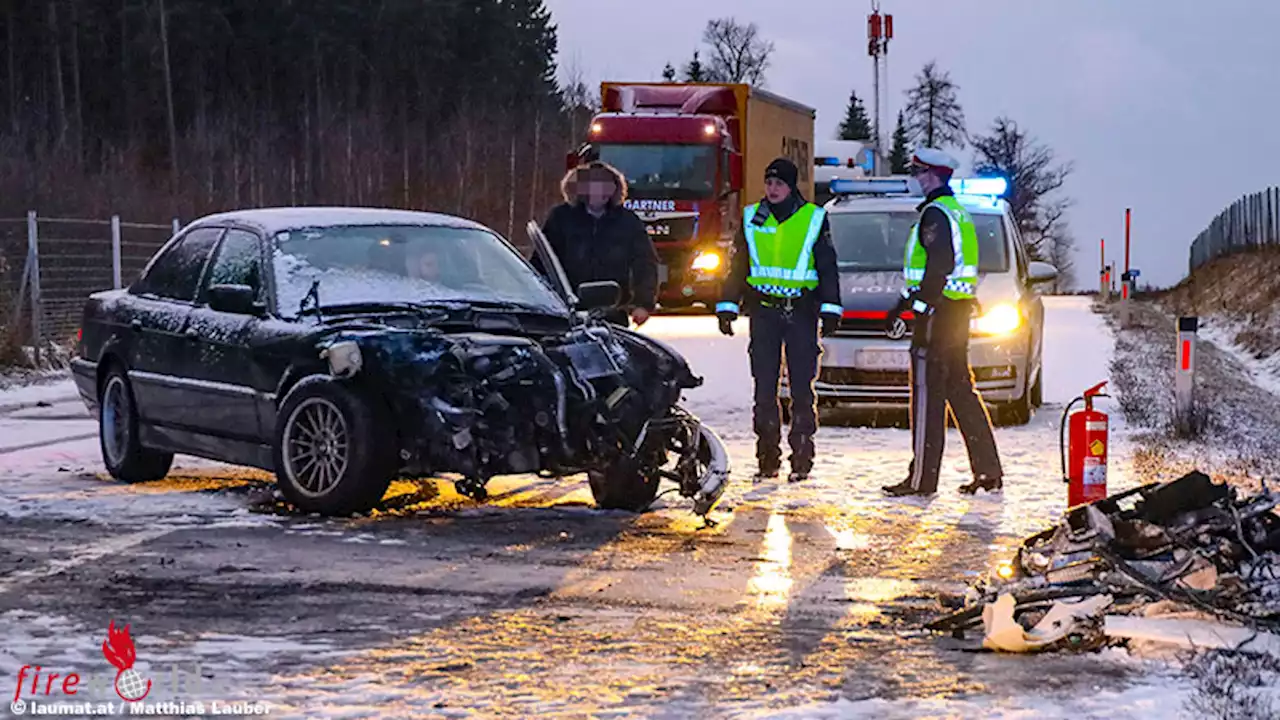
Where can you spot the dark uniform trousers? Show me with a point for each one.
(777, 332)
(941, 377)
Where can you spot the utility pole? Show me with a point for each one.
(879, 33)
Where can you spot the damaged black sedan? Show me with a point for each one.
(341, 348)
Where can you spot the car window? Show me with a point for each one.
(359, 264)
(238, 262)
(175, 273)
(877, 241)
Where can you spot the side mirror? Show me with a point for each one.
(598, 295)
(1041, 272)
(236, 299)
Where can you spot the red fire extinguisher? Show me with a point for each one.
(1086, 475)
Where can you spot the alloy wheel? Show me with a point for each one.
(316, 446)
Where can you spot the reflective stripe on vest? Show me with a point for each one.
(962, 281)
(782, 253)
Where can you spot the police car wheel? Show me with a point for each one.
(1017, 412)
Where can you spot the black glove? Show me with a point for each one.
(891, 319)
(830, 323)
(726, 321)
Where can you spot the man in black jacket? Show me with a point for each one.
(784, 268)
(596, 238)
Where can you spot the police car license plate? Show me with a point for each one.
(893, 360)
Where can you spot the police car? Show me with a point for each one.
(866, 367)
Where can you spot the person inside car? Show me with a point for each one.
(423, 263)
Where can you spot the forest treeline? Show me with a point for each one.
(157, 108)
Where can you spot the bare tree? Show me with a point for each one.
(168, 94)
(578, 100)
(738, 53)
(1061, 254)
(1034, 178)
(934, 116)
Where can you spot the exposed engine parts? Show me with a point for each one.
(481, 405)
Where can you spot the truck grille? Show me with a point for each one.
(679, 230)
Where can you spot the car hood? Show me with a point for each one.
(878, 291)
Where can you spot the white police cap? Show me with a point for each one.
(934, 158)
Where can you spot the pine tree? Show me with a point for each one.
(934, 116)
(899, 155)
(669, 73)
(695, 71)
(856, 125)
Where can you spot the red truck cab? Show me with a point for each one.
(679, 148)
(693, 154)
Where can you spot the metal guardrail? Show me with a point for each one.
(1252, 221)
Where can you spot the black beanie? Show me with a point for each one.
(784, 170)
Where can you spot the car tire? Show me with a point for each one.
(621, 486)
(1037, 390)
(1017, 412)
(118, 437)
(331, 452)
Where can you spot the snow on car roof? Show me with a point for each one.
(899, 203)
(273, 220)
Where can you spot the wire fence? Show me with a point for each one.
(1250, 222)
(49, 266)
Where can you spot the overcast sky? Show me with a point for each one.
(1171, 108)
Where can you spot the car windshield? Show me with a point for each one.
(665, 172)
(372, 264)
(867, 241)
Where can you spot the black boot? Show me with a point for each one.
(769, 467)
(903, 489)
(802, 452)
(991, 485)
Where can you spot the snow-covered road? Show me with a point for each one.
(802, 599)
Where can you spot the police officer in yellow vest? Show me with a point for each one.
(941, 283)
(784, 268)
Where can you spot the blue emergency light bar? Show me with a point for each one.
(985, 187)
(870, 186)
(991, 186)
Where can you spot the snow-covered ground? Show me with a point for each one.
(803, 601)
(1222, 331)
(854, 462)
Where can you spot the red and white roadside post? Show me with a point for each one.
(1125, 284)
(1103, 280)
(1185, 373)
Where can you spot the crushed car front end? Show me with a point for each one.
(483, 404)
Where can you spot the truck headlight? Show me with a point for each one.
(706, 261)
(1002, 319)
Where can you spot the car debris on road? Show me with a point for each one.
(1098, 577)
